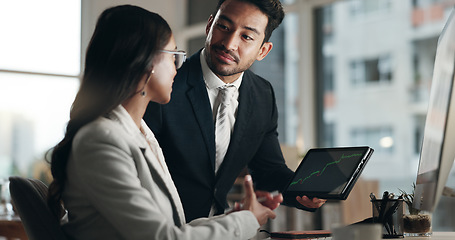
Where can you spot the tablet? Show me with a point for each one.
(328, 173)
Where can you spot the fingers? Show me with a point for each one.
(263, 194)
(237, 206)
(310, 203)
(263, 214)
(248, 187)
(270, 200)
(271, 214)
(319, 201)
(279, 198)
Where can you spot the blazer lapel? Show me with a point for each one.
(201, 106)
(243, 113)
(166, 184)
(155, 160)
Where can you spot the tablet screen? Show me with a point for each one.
(329, 173)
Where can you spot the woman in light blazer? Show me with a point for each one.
(109, 170)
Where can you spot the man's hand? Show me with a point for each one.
(310, 203)
(269, 200)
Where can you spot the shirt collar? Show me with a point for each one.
(212, 81)
(121, 115)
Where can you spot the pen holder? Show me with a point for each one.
(389, 213)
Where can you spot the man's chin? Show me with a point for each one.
(225, 72)
(223, 69)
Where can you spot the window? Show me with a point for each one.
(43, 37)
(391, 60)
(359, 7)
(371, 70)
(357, 71)
(280, 67)
(39, 75)
(328, 74)
(379, 138)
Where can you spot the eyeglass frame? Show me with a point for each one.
(177, 54)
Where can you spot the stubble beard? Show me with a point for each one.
(221, 68)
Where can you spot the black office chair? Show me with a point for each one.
(29, 199)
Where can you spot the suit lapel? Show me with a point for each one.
(201, 105)
(155, 160)
(166, 184)
(243, 113)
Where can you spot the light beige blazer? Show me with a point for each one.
(119, 187)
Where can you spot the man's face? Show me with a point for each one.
(235, 39)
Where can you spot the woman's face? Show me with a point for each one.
(160, 82)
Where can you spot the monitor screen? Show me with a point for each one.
(438, 147)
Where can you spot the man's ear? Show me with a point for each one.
(265, 49)
(209, 24)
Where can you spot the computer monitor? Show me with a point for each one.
(438, 146)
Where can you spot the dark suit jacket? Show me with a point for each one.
(185, 130)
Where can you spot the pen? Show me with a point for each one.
(273, 194)
(374, 201)
(385, 198)
(390, 212)
(391, 195)
(394, 208)
(259, 199)
(372, 196)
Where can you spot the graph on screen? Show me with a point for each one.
(320, 172)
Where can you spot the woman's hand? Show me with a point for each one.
(251, 203)
(268, 199)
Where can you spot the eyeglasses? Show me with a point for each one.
(179, 56)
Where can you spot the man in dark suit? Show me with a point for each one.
(237, 35)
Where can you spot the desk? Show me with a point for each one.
(435, 236)
(11, 228)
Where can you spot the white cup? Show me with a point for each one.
(358, 232)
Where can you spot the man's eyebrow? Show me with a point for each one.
(245, 27)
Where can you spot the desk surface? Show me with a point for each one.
(435, 236)
(11, 228)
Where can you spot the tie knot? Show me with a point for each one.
(226, 93)
(227, 88)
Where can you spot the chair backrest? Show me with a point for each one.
(29, 197)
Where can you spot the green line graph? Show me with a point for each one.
(320, 172)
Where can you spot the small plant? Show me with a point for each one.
(409, 200)
(415, 223)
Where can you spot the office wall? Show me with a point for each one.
(171, 10)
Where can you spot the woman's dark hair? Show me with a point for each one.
(271, 8)
(119, 55)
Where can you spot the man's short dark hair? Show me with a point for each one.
(271, 8)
